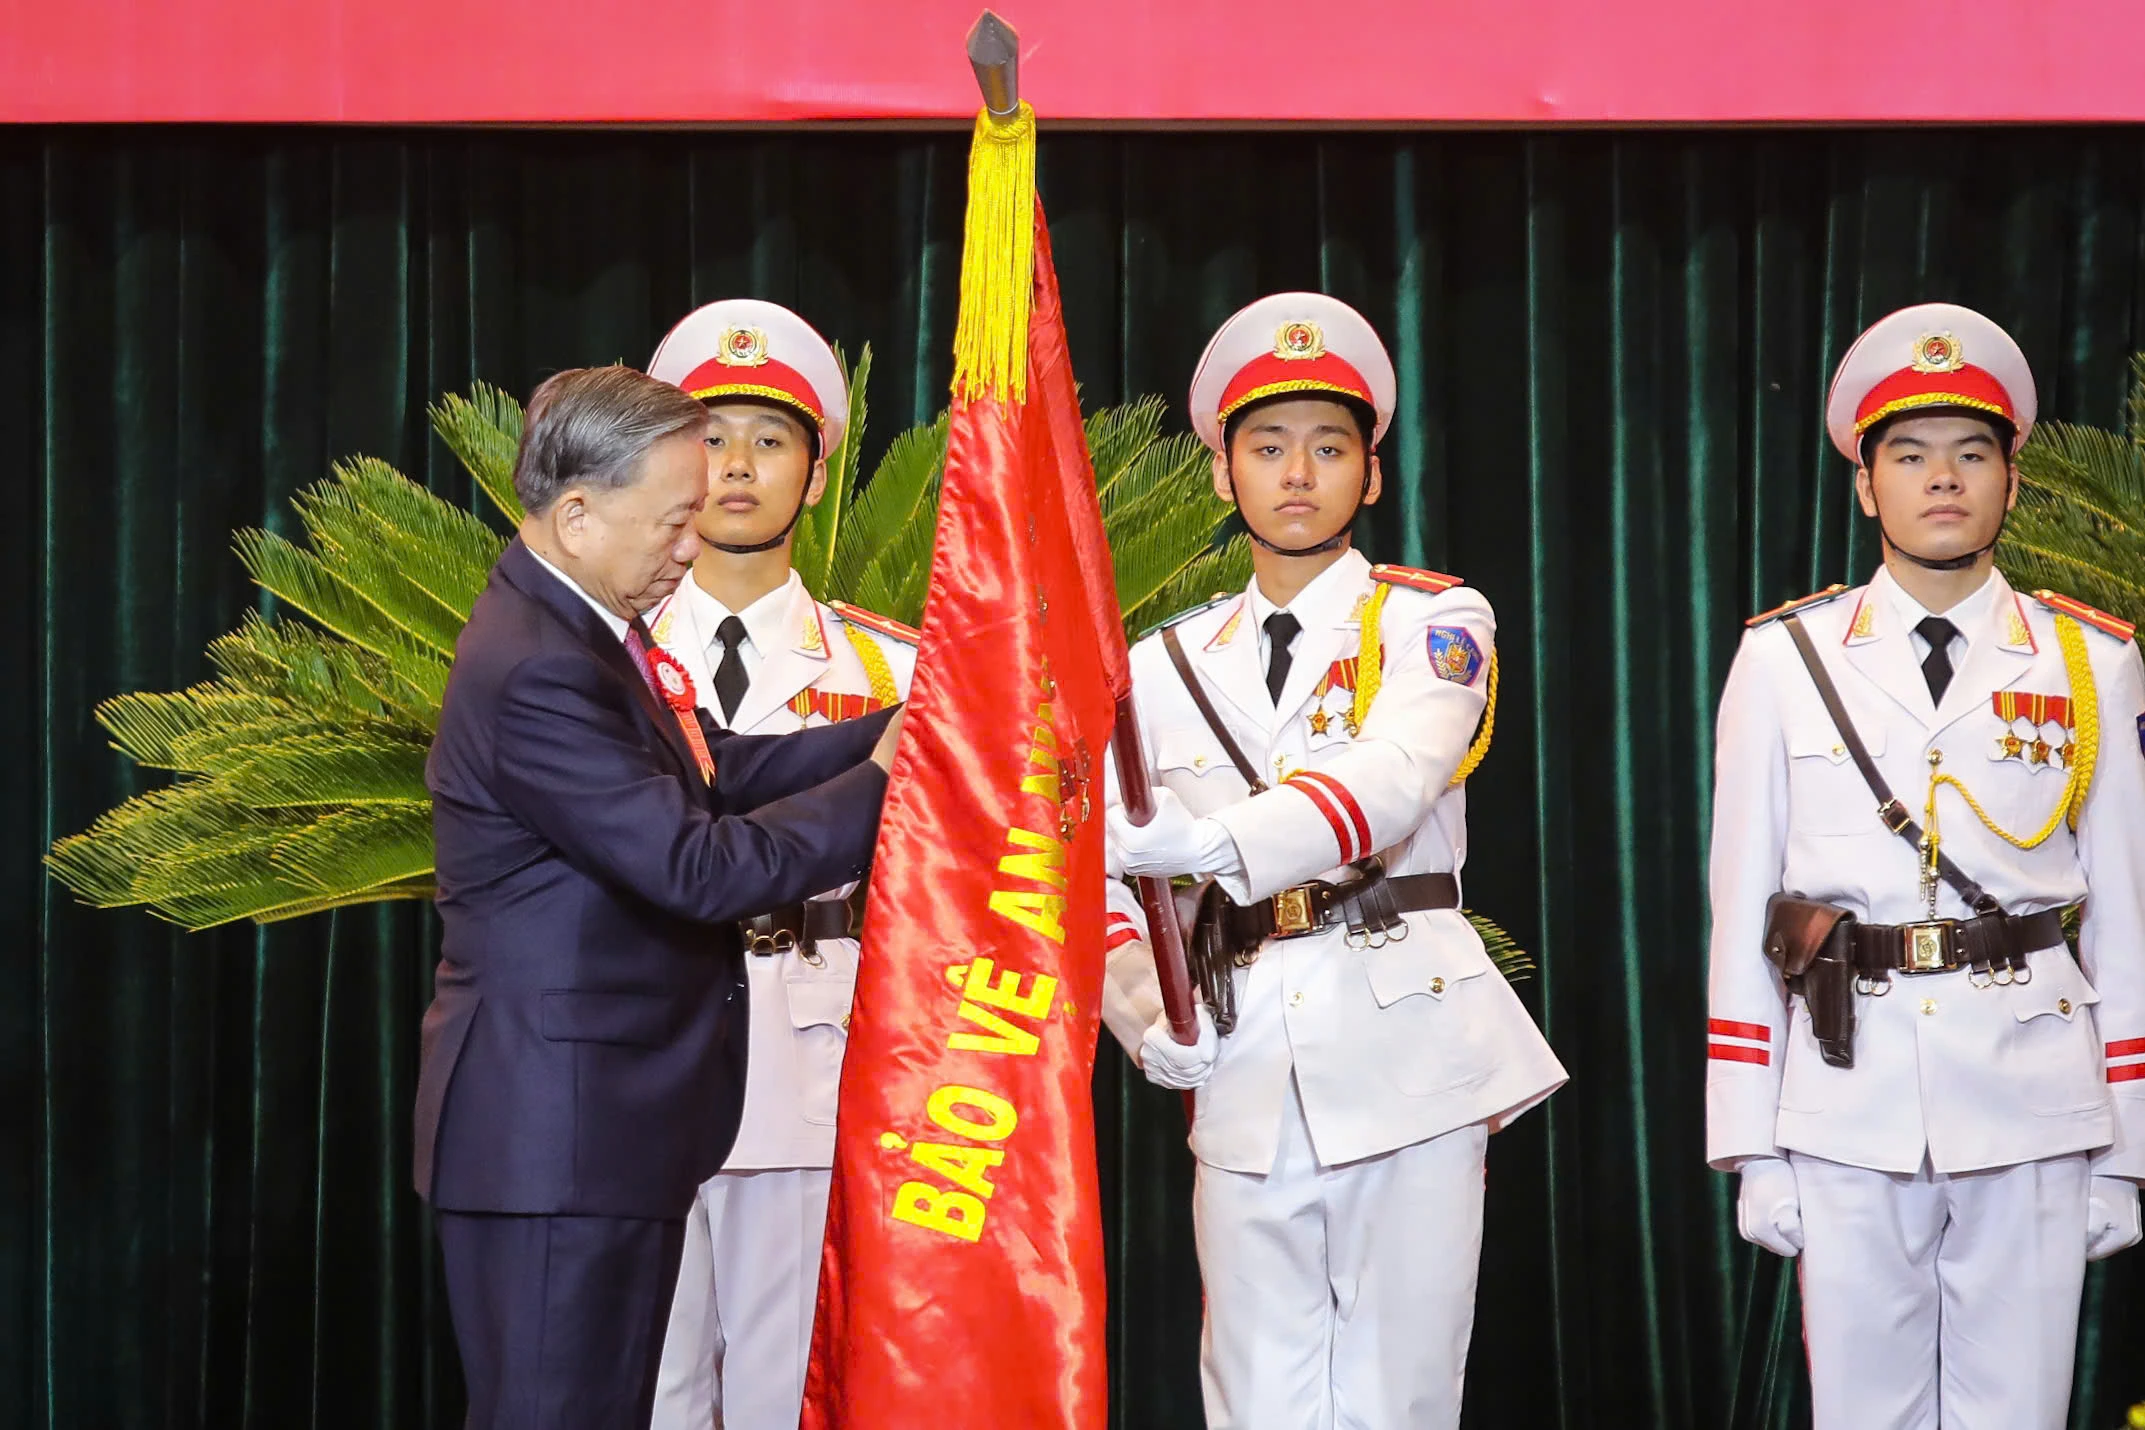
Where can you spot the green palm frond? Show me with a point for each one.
(301, 764)
(819, 530)
(882, 559)
(1511, 960)
(378, 847)
(1118, 436)
(483, 430)
(2080, 523)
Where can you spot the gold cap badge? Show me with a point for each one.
(1938, 352)
(742, 347)
(1299, 341)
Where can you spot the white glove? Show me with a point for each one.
(1768, 1208)
(1173, 842)
(1169, 1063)
(2111, 1217)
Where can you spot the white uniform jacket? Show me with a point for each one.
(1391, 1045)
(809, 673)
(1973, 1077)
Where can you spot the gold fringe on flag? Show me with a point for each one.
(990, 343)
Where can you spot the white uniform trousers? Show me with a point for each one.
(741, 1321)
(1942, 1300)
(1340, 1298)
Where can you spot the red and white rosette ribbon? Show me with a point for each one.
(677, 690)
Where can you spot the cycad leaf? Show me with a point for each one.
(2079, 527)
(885, 549)
(146, 726)
(1224, 568)
(1117, 435)
(342, 768)
(819, 531)
(1511, 960)
(357, 849)
(483, 430)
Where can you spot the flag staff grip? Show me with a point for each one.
(1164, 934)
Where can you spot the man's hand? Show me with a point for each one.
(1768, 1206)
(882, 754)
(2111, 1222)
(1170, 843)
(1169, 1063)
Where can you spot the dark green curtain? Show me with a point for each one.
(1613, 353)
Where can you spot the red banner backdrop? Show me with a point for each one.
(1143, 61)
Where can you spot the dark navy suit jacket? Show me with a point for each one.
(584, 1053)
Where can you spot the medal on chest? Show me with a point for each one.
(2040, 731)
(1333, 700)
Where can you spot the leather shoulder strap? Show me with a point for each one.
(1890, 811)
(1198, 692)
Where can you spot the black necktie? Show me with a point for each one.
(1281, 628)
(1936, 666)
(730, 681)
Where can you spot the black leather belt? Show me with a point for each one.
(803, 924)
(1993, 944)
(1317, 906)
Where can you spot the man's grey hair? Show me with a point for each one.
(590, 426)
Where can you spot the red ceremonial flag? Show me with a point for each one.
(961, 1285)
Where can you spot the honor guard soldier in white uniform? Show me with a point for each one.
(1309, 738)
(767, 658)
(1926, 1096)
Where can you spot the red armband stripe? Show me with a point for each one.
(1723, 1028)
(1737, 1053)
(1347, 801)
(1323, 803)
(2127, 1048)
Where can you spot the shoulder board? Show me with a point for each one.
(867, 620)
(1433, 582)
(1186, 614)
(1800, 603)
(2115, 626)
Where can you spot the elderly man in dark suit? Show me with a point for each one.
(597, 843)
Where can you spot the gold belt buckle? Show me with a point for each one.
(1925, 947)
(1292, 912)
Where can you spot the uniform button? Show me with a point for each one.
(1928, 1007)
(1295, 1000)
(1839, 749)
(1437, 985)
(845, 1020)
(1199, 762)
(2063, 1006)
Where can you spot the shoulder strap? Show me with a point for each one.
(1198, 692)
(1889, 809)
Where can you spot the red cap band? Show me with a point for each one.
(775, 381)
(1270, 376)
(1907, 389)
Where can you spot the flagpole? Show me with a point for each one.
(994, 55)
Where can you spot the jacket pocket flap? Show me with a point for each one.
(641, 1020)
(1405, 967)
(2056, 996)
(1820, 740)
(817, 1002)
(1192, 751)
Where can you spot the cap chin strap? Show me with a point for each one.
(737, 549)
(1932, 563)
(1334, 542)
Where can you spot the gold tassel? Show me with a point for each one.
(990, 342)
